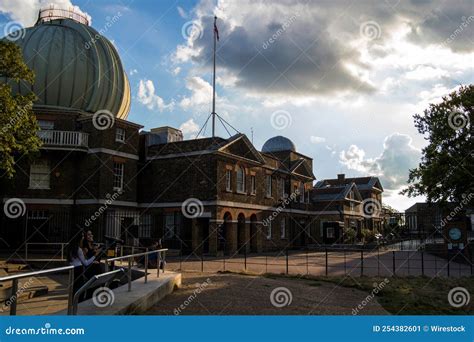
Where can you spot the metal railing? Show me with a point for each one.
(28, 249)
(131, 259)
(15, 278)
(64, 138)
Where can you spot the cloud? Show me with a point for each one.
(189, 129)
(201, 93)
(26, 11)
(316, 140)
(176, 71)
(133, 72)
(146, 96)
(182, 12)
(391, 166)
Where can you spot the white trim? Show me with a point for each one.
(107, 201)
(113, 153)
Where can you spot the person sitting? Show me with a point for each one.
(76, 258)
(90, 250)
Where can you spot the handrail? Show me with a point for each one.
(130, 258)
(14, 278)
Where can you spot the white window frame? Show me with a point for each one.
(283, 228)
(240, 179)
(118, 175)
(228, 180)
(268, 183)
(40, 175)
(120, 134)
(253, 184)
(330, 232)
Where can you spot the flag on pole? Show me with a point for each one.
(216, 31)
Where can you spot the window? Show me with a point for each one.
(269, 230)
(269, 185)
(240, 179)
(118, 176)
(330, 232)
(302, 192)
(282, 187)
(228, 180)
(46, 124)
(352, 206)
(144, 230)
(283, 228)
(120, 135)
(172, 225)
(39, 174)
(253, 185)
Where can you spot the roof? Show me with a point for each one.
(278, 143)
(336, 193)
(363, 183)
(75, 67)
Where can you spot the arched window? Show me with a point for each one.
(240, 179)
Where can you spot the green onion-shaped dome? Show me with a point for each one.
(75, 67)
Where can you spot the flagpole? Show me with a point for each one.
(214, 84)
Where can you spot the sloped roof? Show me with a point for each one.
(363, 183)
(335, 193)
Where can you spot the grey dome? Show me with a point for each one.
(75, 67)
(278, 143)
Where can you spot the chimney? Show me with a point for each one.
(341, 178)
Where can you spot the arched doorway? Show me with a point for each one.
(223, 233)
(253, 234)
(241, 241)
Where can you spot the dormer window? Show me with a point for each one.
(120, 135)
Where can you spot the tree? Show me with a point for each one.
(18, 124)
(447, 165)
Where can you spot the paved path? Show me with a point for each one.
(407, 263)
(232, 294)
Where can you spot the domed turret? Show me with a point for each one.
(75, 67)
(278, 143)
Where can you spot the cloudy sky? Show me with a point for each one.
(342, 79)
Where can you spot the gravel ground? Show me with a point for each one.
(234, 294)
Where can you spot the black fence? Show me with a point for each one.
(381, 263)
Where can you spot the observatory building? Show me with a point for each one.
(98, 170)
